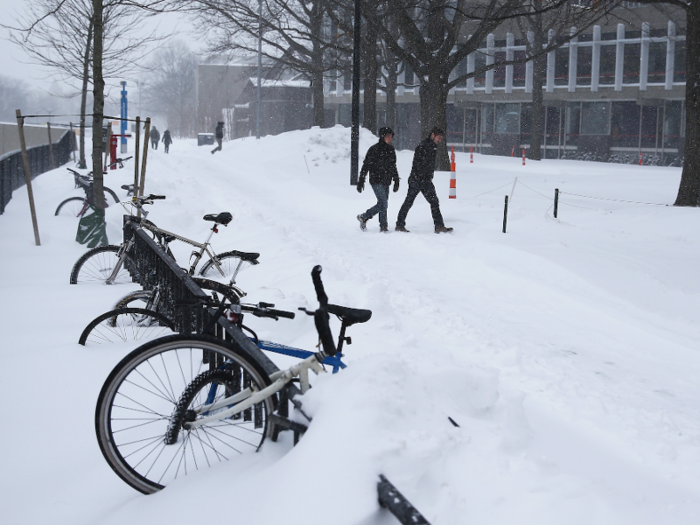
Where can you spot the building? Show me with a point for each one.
(614, 92)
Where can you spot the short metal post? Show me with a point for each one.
(136, 156)
(53, 164)
(505, 215)
(556, 202)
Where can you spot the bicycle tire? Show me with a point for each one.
(226, 260)
(112, 193)
(126, 324)
(71, 206)
(137, 299)
(232, 293)
(97, 264)
(141, 404)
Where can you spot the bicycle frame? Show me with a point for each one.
(248, 397)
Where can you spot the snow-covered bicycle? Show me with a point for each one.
(185, 402)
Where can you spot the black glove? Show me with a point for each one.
(396, 185)
(360, 186)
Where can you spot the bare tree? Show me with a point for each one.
(171, 87)
(58, 34)
(295, 35)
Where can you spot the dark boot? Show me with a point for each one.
(363, 223)
(443, 229)
(401, 229)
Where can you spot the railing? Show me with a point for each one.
(39, 158)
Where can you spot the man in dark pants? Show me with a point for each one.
(380, 161)
(421, 181)
(219, 134)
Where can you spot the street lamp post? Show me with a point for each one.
(355, 131)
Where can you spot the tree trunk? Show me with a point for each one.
(83, 95)
(391, 84)
(316, 27)
(369, 59)
(98, 84)
(433, 112)
(539, 70)
(689, 190)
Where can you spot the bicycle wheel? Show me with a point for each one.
(111, 192)
(153, 391)
(137, 299)
(126, 324)
(229, 262)
(71, 207)
(96, 265)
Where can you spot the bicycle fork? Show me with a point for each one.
(120, 261)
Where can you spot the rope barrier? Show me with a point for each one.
(491, 191)
(615, 200)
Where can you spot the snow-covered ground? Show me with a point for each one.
(565, 349)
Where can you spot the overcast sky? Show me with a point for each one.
(15, 63)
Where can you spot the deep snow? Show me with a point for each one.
(566, 349)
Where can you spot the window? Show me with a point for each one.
(595, 118)
(679, 62)
(519, 69)
(630, 73)
(525, 122)
(573, 122)
(507, 118)
(657, 62)
(561, 66)
(499, 72)
(607, 65)
(462, 70)
(479, 63)
(672, 123)
(486, 122)
(649, 124)
(625, 124)
(409, 77)
(583, 66)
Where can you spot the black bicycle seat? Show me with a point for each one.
(245, 256)
(350, 316)
(222, 218)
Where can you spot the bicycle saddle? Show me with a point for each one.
(349, 316)
(222, 218)
(244, 256)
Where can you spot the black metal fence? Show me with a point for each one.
(39, 157)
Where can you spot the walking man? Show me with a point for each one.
(219, 134)
(155, 137)
(167, 140)
(421, 181)
(380, 162)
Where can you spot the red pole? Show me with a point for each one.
(640, 158)
(523, 156)
(471, 154)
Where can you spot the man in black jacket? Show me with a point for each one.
(421, 181)
(380, 162)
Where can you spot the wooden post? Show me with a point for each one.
(53, 164)
(72, 140)
(109, 141)
(27, 175)
(556, 202)
(505, 215)
(146, 137)
(136, 157)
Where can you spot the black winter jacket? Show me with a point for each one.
(380, 161)
(424, 161)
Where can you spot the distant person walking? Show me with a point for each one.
(155, 137)
(421, 181)
(167, 140)
(380, 162)
(219, 134)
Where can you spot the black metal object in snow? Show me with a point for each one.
(556, 202)
(505, 215)
(391, 499)
(39, 158)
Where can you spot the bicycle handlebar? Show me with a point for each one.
(321, 317)
(265, 310)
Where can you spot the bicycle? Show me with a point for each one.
(77, 206)
(185, 402)
(111, 264)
